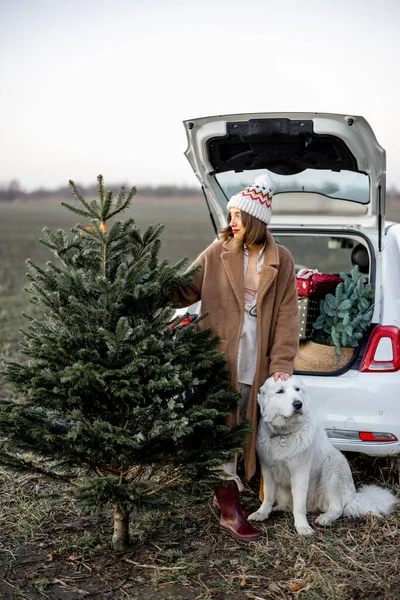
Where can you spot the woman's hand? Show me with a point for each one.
(280, 375)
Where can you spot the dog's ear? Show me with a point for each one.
(267, 383)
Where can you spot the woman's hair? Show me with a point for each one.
(256, 230)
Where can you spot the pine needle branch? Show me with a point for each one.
(79, 197)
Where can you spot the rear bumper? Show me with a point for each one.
(372, 449)
(357, 402)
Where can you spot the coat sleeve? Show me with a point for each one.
(191, 293)
(285, 341)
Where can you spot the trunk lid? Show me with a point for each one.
(329, 169)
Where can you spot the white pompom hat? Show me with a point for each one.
(256, 199)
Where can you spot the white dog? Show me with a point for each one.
(300, 467)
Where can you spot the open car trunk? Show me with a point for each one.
(329, 170)
(329, 253)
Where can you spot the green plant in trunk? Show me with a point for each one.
(127, 409)
(346, 315)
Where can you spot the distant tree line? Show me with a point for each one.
(13, 191)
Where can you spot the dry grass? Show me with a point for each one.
(50, 550)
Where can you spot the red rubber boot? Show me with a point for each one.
(245, 511)
(232, 519)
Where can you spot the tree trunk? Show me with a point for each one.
(120, 539)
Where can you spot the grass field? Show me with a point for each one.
(50, 550)
(187, 232)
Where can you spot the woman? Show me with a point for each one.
(246, 284)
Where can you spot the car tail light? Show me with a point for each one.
(364, 436)
(377, 436)
(382, 334)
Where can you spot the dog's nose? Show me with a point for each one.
(297, 404)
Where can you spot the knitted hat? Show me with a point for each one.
(256, 199)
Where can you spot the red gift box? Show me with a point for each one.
(311, 283)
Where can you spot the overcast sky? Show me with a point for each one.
(102, 86)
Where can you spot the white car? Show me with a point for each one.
(329, 211)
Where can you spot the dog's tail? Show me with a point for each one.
(370, 499)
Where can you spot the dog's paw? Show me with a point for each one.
(305, 530)
(258, 515)
(323, 519)
(282, 508)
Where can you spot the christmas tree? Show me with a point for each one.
(119, 400)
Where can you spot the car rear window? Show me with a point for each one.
(325, 253)
(343, 185)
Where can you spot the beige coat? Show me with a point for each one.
(219, 284)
